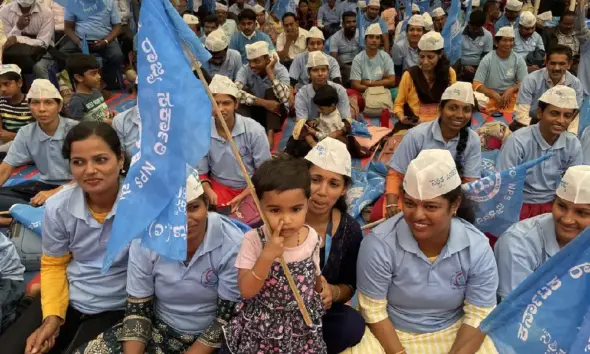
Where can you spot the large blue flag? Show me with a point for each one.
(360, 24)
(82, 9)
(497, 198)
(452, 32)
(175, 114)
(549, 312)
(584, 120)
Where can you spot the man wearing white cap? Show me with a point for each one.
(410, 305)
(292, 41)
(345, 45)
(405, 51)
(222, 177)
(238, 6)
(305, 108)
(500, 73)
(399, 35)
(570, 32)
(559, 59)
(228, 25)
(248, 34)
(28, 27)
(477, 43)
(371, 17)
(510, 17)
(14, 108)
(439, 17)
(527, 40)
(267, 24)
(298, 70)
(525, 246)
(38, 143)
(224, 61)
(372, 67)
(193, 23)
(329, 16)
(268, 81)
(558, 107)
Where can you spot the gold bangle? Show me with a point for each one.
(337, 297)
(256, 275)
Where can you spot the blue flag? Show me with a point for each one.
(175, 114)
(82, 9)
(408, 14)
(584, 116)
(467, 15)
(549, 312)
(497, 198)
(424, 5)
(452, 32)
(280, 7)
(360, 23)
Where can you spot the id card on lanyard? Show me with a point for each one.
(328, 243)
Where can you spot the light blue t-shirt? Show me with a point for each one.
(367, 22)
(68, 227)
(298, 69)
(537, 82)
(424, 296)
(127, 126)
(523, 248)
(229, 68)
(220, 162)
(239, 40)
(306, 109)
(473, 49)
(328, 16)
(522, 47)
(376, 68)
(32, 145)
(96, 26)
(10, 264)
(499, 74)
(429, 136)
(503, 22)
(527, 144)
(346, 49)
(186, 295)
(404, 55)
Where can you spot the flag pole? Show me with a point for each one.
(219, 118)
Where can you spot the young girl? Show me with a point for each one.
(330, 121)
(269, 320)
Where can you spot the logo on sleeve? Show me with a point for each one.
(458, 281)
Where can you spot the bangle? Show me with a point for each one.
(337, 297)
(391, 205)
(403, 351)
(256, 275)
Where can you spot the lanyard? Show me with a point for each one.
(328, 243)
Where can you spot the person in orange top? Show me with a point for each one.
(422, 86)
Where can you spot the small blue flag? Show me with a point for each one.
(408, 14)
(280, 7)
(549, 312)
(360, 23)
(584, 116)
(175, 114)
(497, 198)
(424, 5)
(82, 9)
(467, 14)
(452, 32)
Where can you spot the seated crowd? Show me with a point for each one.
(309, 70)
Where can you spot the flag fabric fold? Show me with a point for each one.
(549, 312)
(497, 198)
(175, 116)
(452, 32)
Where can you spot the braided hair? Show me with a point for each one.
(463, 138)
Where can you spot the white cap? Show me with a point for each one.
(258, 9)
(438, 12)
(545, 16)
(415, 7)
(315, 32)
(431, 41)
(42, 88)
(256, 50)
(560, 96)
(317, 58)
(575, 185)
(190, 19)
(216, 41)
(416, 20)
(527, 19)
(220, 7)
(428, 23)
(374, 29)
(331, 155)
(361, 4)
(374, 3)
(475, 3)
(194, 188)
(460, 91)
(223, 84)
(507, 31)
(513, 5)
(9, 68)
(431, 174)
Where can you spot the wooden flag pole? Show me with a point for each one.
(220, 119)
(572, 5)
(536, 7)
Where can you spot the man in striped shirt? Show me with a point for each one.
(14, 109)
